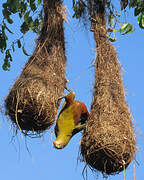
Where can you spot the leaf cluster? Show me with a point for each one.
(114, 24)
(31, 19)
(138, 6)
(31, 16)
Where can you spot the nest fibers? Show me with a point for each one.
(32, 101)
(108, 143)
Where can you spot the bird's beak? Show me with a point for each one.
(61, 97)
(68, 89)
(58, 146)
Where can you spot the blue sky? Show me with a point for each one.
(45, 162)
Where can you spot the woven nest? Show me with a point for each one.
(108, 143)
(32, 101)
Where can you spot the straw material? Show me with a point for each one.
(108, 143)
(32, 101)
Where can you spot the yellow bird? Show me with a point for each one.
(71, 120)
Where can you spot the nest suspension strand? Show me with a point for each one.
(32, 101)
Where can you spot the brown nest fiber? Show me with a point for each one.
(108, 143)
(32, 101)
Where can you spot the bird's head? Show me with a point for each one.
(58, 145)
(70, 97)
(61, 141)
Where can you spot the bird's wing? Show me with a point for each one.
(81, 113)
(80, 117)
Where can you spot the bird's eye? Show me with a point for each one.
(61, 146)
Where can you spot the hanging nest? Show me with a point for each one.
(108, 143)
(32, 101)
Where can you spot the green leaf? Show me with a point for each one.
(137, 11)
(32, 5)
(41, 15)
(24, 28)
(5, 37)
(8, 28)
(141, 20)
(21, 14)
(115, 30)
(140, 17)
(3, 43)
(29, 21)
(7, 60)
(124, 4)
(19, 43)
(112, 39)
(35, 25)
(5, 5)
(126, 28)
(22, 9)
(129, 29)
(9, 20)
(5, 66)
(26, 16)
(13, 6)
(3, 29)
(6, 13)
(73, 2)
(24, 51)
(39, 2)
(8, 55)
(123, 27)
(132, 3)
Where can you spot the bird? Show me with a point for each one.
(71, 120)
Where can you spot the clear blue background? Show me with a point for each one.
(43, 161)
